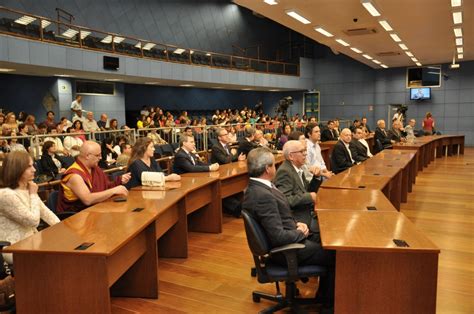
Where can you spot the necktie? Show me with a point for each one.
(192, 159)
(227, 150)
(303, 179)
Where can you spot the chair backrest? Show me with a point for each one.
(256, 237)
(378, 145)
(167, 150)
(52, 201)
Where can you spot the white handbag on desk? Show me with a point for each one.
(153, 178)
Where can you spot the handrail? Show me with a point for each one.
(166, 52)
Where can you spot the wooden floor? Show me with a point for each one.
(215, 278)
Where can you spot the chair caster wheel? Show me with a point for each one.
(255, 298)
(253, 272)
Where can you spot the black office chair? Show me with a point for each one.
(52, 203)
(267, 271)
(378, 146)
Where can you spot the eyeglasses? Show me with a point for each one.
(303, 151)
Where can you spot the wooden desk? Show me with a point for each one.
(52, 277)
(373, 275)
(395, 154)
(346, 199)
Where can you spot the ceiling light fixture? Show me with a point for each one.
(298, 17)
(370, 7)
(419, 64)
(271, 2)
(454, 65)
(45, 24)
(403, 46)
(367, 57)
(376, 61)
(70, 33)
(460, 56)
(384, 66)
(386, 26)
(108, 39)
(7, 70)
(84, 34)
(113, 80)
(148, 46)
(460, 50)
(246, 89)
(456, 3)
(25, 20)
(458, 32)
(63, 75)
(321, 30)
(457, 17)
(186, 85)
(273, 90)
(459, 41)
(356, 50)
(409, 54)
(138, 45)
(414, 59)
(395, 37)
(342, 42)
(179, 51)
(152, 83)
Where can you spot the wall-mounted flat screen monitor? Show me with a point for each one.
(420, 93)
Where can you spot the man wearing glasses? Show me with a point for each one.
(221, 152)
(85, 184)
(290, 180)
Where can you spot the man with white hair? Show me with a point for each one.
(90, 125)
(382, 138)
(341, 157)
(397, 133)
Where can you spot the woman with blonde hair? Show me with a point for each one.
(20, 206)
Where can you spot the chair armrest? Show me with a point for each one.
(4, 243)
(289, 251)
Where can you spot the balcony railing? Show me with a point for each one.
(21, 24)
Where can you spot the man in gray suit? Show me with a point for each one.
(290, 180)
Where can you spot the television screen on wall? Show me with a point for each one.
(420, 93)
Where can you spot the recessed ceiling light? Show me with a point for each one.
(456, 3)
(460, 50)
(457, 17)
(273, 90)
(459, 41)
(186, 85)
(376, 61)
(458, 32)
(217, 87)
(208, 54)
(138, 45)
(179, 51)
(403, 46)
(367, 57)
(63, 75)
(419, 64)
(321, 30)
(246, 89)
(370, 7)
(342, 42)
(45, 24)
(414, 59)
(409, 54)
(113, 80)
(298, 17)
(395, 37)
(152, 83)
(25, 20)
(384, 66)
(386, 26)
(356, 50)
(84, 34)
(70, 33)
(271, 2)
(460, 56)
(454, 65)
(148, 46)
(191, 51)
(108, 39)
(7, 70)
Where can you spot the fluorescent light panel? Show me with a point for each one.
(186, 85)
(414, 59)
(458, 32)
(409, 54)
(457, 17)
(459, 41)
(179, 51)
(342, 42)
(70, 33)
(84, 34)
(107, 39)
(456, 3)
(384, 66)
(403, 46)
(419, 64)
(376, 61)
(208, 54)
(460, 56)
(152, 83)
(45, 24)
(138, 45)
(395, 37)
(460, 50)
(386, 26)
(367, 57)
(298, 17)
(113, 80)
(321, 30)
(454, 65)
(148, 46)
(271, 2)
(7, 70)
(25, 20)
(370, 7)
(356, 50)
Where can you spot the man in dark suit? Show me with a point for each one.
(382, 137)
(291, 181)
(358, 150)
(397, 133)
(328, 133)
(271, 209)
(186, 161)
(341, 157)
(221, 152)
(248, 142)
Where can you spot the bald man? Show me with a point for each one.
(341, 157)
(85, 184)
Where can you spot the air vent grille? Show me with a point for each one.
(388, 54)
(360, 31)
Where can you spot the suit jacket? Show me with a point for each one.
(219, 154)
(358, 151)
(289, 183)
(327, 135)
(48, 166)
(384, 138)
(183, 163)
(395, 135)
(245, 146)
(340, 158)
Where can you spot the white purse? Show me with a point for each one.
(153, 178)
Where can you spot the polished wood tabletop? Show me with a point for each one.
(363, 181)
(347, 199)
(370, 231)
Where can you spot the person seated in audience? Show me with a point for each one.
(90, 125)
(156, 138)
(341, 157)
(78, 128)
(232, 134)
(50, 123)
(141, 122)
(14, 145)
(125, 154)
(10, 123)
(358, 150)
(79, 117)
(286, 130)
(290, 180)
(365, 126)
(382, 136)
(109, 156)
(73, 143)
(30, 122)
(21, 209)
(314, 158)
(355, 125)
(63, 125)
(142, 160)
(273, 210)
(260, 139)
(60, 150)
(337, 129)
(113, 125)
(221, 152)
(50, 163)
(247, 143)
(186, 161)
(366, 145)
(397, 133)
(103, 122)
(85, 184)
(24, 132)
(328, 133)
(119, 140)
(410, 129)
